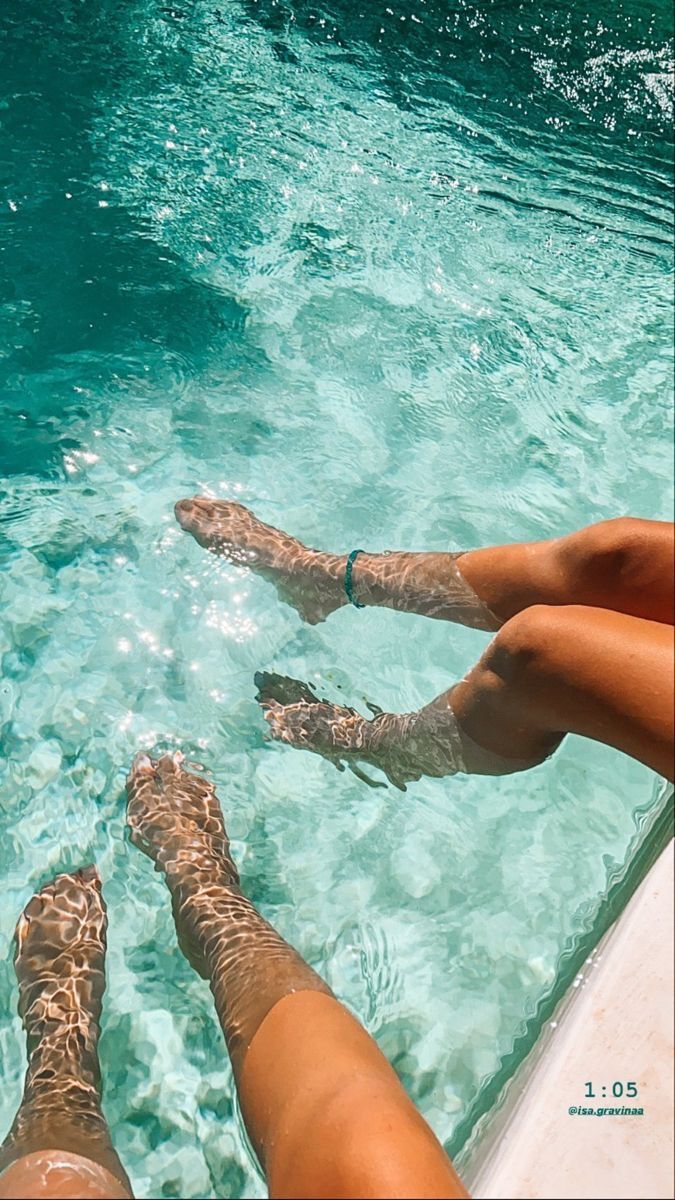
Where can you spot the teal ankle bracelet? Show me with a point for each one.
(348, 578)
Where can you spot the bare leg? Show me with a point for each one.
(324, 1109)
(548, 672)
(625, 565)
(59, 1143)
(176, 819)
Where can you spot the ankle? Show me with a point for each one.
(328, 571)
(206, 911)
(47, 1035)
(56, 1081)
(378, 578)
(79, 1027)
(409, 745)
(386, 732)
(194, 868)
(434, 722)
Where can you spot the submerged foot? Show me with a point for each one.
(308, 580)
(405, 746)
(60, 954)
(284, 689)
(60, 967)
(338, 733)
(175, 818)
(297, 716)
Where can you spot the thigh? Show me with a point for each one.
(602, 674)
(626, 564)
(328, 1113)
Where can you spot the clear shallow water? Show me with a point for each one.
(391, 282)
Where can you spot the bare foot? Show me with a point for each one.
(60, 953)
(340, 734)
(405, 746)
(175, 818)
(60, 967)
(344, 737)
(310, 581)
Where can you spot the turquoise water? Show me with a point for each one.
(394, 278)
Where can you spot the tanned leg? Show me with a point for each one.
(324, 1109)
(548, 672)
(59, 1143)
(626, 565)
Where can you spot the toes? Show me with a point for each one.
(211, 516)
(282, 689)
(168, 805)
(142, 767)
(276, 719)
(89, 876)
(168, 767)
(182, 508)
(37, 904)
(65, 909)
(158, 770)
(164, 772)
(71, 887)
(191, 513)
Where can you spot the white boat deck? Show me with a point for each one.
(616, 1029)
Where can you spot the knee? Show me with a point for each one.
(52, 1173)
(531, 643)
(611, 553)
(620, 537)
